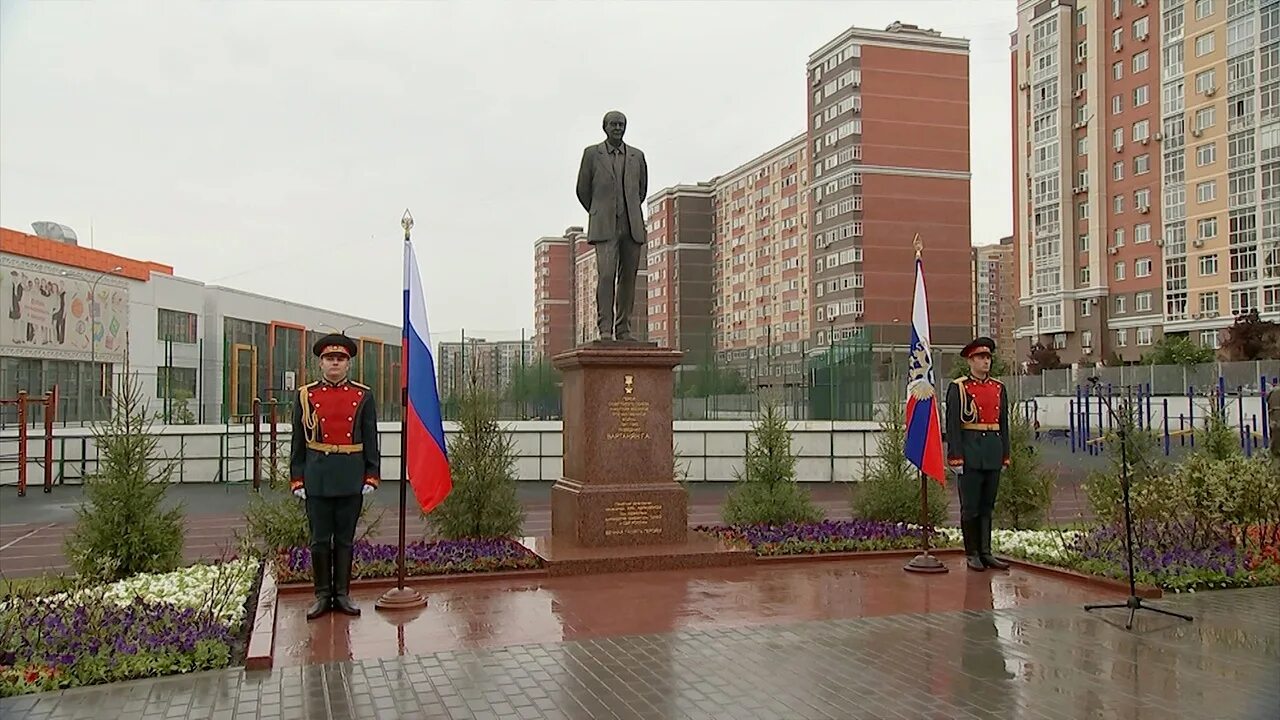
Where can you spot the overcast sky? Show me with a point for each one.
(273, 147)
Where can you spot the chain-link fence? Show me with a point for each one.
(1248, 378)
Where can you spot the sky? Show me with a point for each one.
(273, 147)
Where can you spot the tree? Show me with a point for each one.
(124, 527)
(1041, 358)
(891, 489)
(482, 457)
(1250, 338)
(1177, 350)
(1026, 487)
(710, 378)
(536, 388)
(766, 491)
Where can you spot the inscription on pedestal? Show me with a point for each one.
(632, 415)
(633, 517)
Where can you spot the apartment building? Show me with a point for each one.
(493, 365)
(680, 270)
(889, 140)
(553, 293)
(1143, 133)
(761, 257)
(995, 294)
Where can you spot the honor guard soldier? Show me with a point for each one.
(333, 464)
(978, 449)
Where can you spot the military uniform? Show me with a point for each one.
(333, 463)
(978, 449)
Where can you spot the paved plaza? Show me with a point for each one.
(1049, 662)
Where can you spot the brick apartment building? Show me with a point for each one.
(889, 135)
(1145, 171)
(995, 301)
(553, 329)
(680, 269)
(492, 364)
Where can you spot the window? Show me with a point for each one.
(1117, 138)
(1204, 8)
(1117, 104)
(1117, 170)
(1206, 81)
(1207, 229)
(1204, 44)
(1209, 301)
(176, 326)
(175, 382)
(1141, 61)
(1086, 308)
(1205, 118)
(1085, 278)
(1117, 236)
(1117, 204)
(1141, 130)
(1142, 198)
(1142, 302)
(1206, 191)
(1142, 268)
(1118, 270)
(1083, 243)
(1206, 154)
(1082, 17)
(1141, 28)
(1122, 337)
(1141, 95)
(1082, 146)
(1208, 265)
(1144, 335)
(1121, 305)
(1142, 233)
(1117, 70)
(1142, 165)
(1209, 339)
(1117, 38)
(1086, 338)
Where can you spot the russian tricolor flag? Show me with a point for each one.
(923, 445)
(426, 463)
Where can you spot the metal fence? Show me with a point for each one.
(1202, 379)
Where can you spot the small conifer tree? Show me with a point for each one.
(766, 491)
(890, 491)
(483, 502)
(1026, 487)
(124, 527)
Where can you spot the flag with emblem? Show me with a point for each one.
(425, 458)
(923, 442)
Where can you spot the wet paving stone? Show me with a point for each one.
(1043, 663)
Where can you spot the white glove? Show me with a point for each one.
(366, 489)
(958, 470)
(300, 493)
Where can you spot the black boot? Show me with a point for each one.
(342, 558)
(968, 528)
(322, 578)
(984, 524)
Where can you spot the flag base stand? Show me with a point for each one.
(925, 562)
(400, 598)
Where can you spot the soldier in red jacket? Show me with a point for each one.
(978, 449)
(333, 464)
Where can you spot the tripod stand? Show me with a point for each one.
(1133, 603)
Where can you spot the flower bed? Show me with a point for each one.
(144, 626)
(421, 558)
(826, 536)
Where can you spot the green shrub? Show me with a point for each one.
(275, 519)
(766, 490)
(483, 502)
(1026, 487)
(890, 491)
(124, 527)
(1103, 487)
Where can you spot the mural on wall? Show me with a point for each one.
(50, 315)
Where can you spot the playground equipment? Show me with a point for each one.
(50, 402)
(258, 405)
(1089, 423)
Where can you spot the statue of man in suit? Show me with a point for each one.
(613, 181)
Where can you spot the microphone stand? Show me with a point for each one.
(1133, 603)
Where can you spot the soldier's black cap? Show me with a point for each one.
(334, 343)
(978, 346)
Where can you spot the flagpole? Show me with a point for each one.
(925, 562)
(401, 597)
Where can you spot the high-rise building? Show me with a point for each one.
(761, 256)
(553, 293)
(584, 293)
(889, 140)
(680, 270)
(493, 365)
(1145, 171)
(995, 295)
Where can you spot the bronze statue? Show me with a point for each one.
(613, 181)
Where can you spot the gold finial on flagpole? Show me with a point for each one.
(918, 245)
